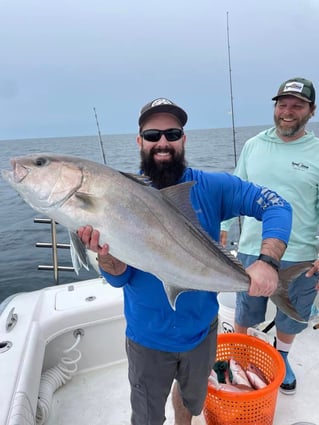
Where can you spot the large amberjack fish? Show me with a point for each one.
(153, 230)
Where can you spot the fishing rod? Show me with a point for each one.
(100, 138)
(231, 95)
(232, 108)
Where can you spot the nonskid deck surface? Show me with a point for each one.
(304, 359)
(101, 397)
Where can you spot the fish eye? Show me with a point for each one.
(40, 161)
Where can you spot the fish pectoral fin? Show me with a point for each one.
(78, 253)
(172, 293)
(85, 201)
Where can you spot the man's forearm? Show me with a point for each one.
(273, 247)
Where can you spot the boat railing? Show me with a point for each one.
(54, 245)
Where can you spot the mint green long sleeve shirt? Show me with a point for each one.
(292, 170)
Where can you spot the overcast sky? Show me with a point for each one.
(61, 58)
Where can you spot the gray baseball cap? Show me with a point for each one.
(162, 105)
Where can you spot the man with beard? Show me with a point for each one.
(285, 158)
(163, 344)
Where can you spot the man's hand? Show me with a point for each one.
(264, 279)
(91, 237)
(314, 269)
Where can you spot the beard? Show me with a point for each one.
(293, 130)
(166, 173)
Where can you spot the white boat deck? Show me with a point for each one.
(99, 392)
(101, 396)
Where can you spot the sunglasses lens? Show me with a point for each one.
(151, 135)
(172, 134)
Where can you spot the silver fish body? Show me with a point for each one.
(238, 373)
(256, 377)
(153, 230)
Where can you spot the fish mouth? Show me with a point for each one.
(19, 172)
(16, 175)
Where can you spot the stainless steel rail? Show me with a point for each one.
(54, 245)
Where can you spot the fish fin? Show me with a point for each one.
(281, 298)
(86, 201)
(78, 253)
(92, 257)
(172, 293)
(178, 197)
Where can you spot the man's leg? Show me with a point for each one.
(302, 293)
(283, 343)
(151, 374)
(190, 389)
(182, 415)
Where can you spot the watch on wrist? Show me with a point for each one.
(275, 264)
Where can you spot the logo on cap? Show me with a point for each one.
(162, 101)
(294, 86)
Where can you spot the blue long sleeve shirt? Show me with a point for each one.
(150, 319)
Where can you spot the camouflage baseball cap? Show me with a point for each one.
(298, 87)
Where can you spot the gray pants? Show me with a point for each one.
(152, 372)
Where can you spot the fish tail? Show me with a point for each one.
(281, 297)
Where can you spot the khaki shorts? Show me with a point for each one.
(152, 372)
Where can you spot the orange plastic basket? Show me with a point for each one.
(256, 407)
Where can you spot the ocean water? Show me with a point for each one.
(211, 150)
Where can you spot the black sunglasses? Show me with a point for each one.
(171, 134)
